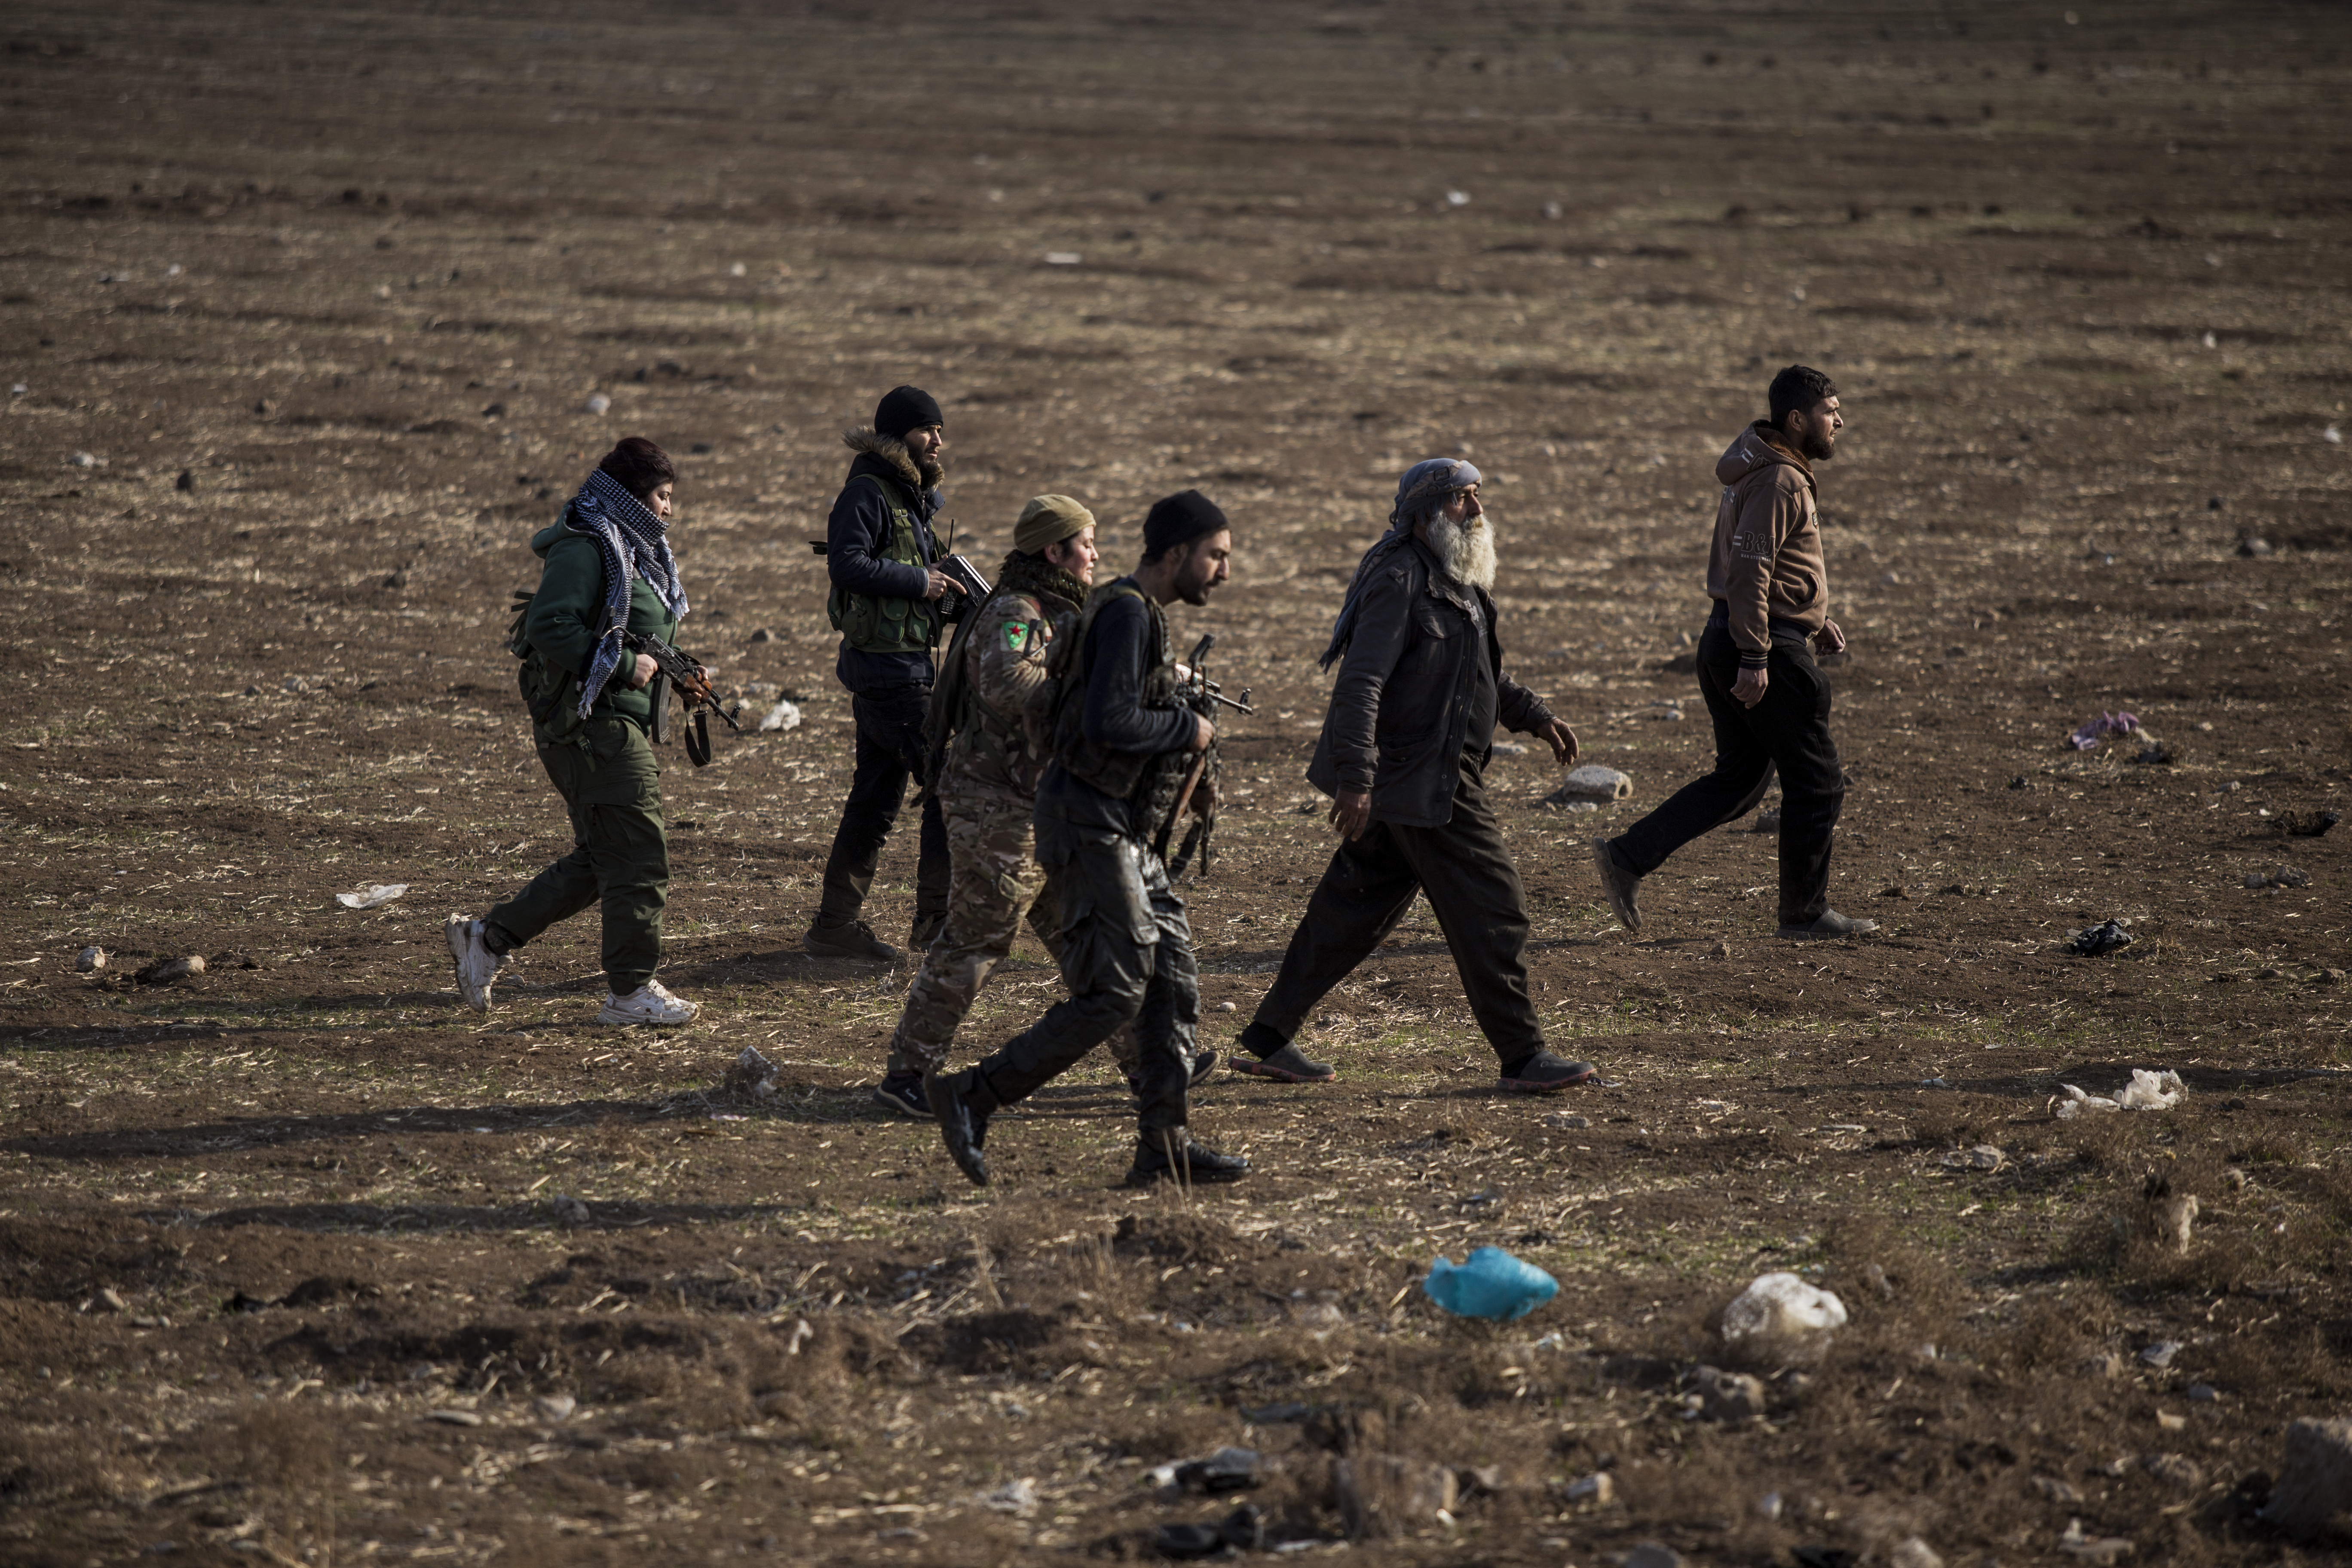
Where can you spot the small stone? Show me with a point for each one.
(187, 481)
(1652, 1554)
(555, 1406)
(2203, 1394)
(1767, 822)
(84, 460)
(1720, 950)
(111, 1300)
(91, 960)
(454, 1418)
(1913, 1552)
(2106, 1363)
(2253, 545)
(2171, 1420)
(2173, 1470)
(2064, 1493)
(598, 403)
(2098, 1549)
(2161, 1352)
(763, 635)
(1564, 1119)
(568, 1210)
(1593, 782)
(2237, 1181)
(2174, 1219)
(1729, 1395)
(169, 970)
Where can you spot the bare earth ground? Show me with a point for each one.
(281, 1270)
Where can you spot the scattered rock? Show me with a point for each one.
(1382, 1493)
(2174, 1470)
(2253, 545)
(1564, 1119)
(2171, 1420)
(1013, 1497)
(2314, 1483)
(2237, 1179)
(167, 970)
(1934, 1083)
(1593, 782)
(2064, 1493)
(598, 403)
(2174, 1219)
(1767, 822)
(1599, 1488)
(1729, 1395)
(1652, 1554)
(2307, 823)
(2160, 1354)
(568, 1210)
(2097, 942)
(1720, 950)
(2203, 1394)
(555, 1406)
(1781, 1319)
(1228, 1007)
(1983, 1157)
(1243, 1530)
(762, 635)
(111, 1300)
(91, 960)
(2100, 1549)
(84, 460)
(187, 481)
(454, 1418)
(752, 1076)
(2105, 1363)
(1913, 1552)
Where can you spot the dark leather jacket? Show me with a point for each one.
(1400, 706)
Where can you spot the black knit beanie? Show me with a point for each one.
(1179, 520)
(905, 408)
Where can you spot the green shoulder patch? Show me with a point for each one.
(1016, 634)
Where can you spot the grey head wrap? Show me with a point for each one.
(1426, 486)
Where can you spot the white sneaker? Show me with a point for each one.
(477, 965)
(649, 1003)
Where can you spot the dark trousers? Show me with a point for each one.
(1788, 729)
(1472, 886)
(890, 753)
(1126, 956)
(620, 855)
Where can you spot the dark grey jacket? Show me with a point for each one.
(1400, 707)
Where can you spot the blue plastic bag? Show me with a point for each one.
(1490, 1283)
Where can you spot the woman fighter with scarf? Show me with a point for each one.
(608, 570)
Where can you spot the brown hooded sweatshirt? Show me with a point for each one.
(1766, 563)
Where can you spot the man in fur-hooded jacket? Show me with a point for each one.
(889, 602)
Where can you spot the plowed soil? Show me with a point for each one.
(302, 311)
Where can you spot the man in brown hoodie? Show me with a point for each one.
(1769, 700)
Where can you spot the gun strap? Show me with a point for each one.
(698, 739)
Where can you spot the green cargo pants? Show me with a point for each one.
(619, 854)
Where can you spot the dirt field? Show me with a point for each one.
(302, 309)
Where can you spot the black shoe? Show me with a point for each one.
(1203, 1064)
(961, 1102)
(851, 939)
(1544, 1073)
(903, 1092)
(1288, 1064)
(1619, 886)
(1829, 928)
(1174, 1157)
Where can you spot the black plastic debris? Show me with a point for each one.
(1243, 1530)
(2099, 939)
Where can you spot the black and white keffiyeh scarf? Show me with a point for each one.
(1425, 486)
(631, 538)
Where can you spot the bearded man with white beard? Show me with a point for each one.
(1403, 756)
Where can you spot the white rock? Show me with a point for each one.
(598, 403)
(91, 960)
(738, 270)
(84, 460)
(1457, 198)
(1598, 1488)
(1779, 1317)
(555, 1406)
(1593, 782)
(1913, 1552)
(1013, 1497)
(785, 715)
(1063, 258)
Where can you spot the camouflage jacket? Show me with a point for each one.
(1003, 675)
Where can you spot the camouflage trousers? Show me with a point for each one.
(994, 882)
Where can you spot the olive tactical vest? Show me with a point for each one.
(872, 623)
(1124, 775)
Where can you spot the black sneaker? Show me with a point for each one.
(1174, 1157)
(1619, 886)
(1288, 1064)
(1544, 1073)
(903, 1092)
(1829, 928)
(851, 939)
(1203, 1064)
(961, 1102)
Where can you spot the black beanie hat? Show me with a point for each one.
(905, 408)
(1178, 520)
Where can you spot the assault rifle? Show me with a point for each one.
(1197, 692)
(957, 570)
(675, 669)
